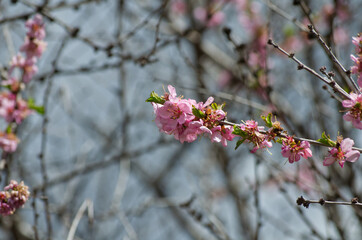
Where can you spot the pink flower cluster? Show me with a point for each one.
(13, 197)
(342, 152)
(13, 108)
(253, 135)
(209, 18)
(357, 68)
(209, 15)
(22, 69)
(33, 48)
(186, 119)
(295, 150)
(8, 142)
(354, 106)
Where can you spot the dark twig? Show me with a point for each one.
(322, 202)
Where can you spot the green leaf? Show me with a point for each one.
(237, 130)
(289, 31)
(214, 106)
(326, 140)
(268, 120)
(155, 98)
(9, 129)
(32, 105)
(279, 140)
(238, 143)
(197, 112)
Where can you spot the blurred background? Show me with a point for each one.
(98, 167)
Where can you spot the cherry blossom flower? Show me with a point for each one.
(222, 134)
(354, 113)
(209, 19)
(175, 117)
(13, 109)
(14, 196)
(35, 27)
(13, 84)
(33, 47)
(357, 68)
(294, 151)
(8, 142)
(341, 153)
(178, 7)
(251, 128)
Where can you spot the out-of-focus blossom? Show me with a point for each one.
(357, 68)
(27, 65)
(340, 36)
(295, 150)
(13, 109)
(341, 153)
(14, 196)
(209, 19)
(224, 79)
(178, 7)
(8, 142)
(12, 83)
(33, 47)
(35, 27)
(354, 106)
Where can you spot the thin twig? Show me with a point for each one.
(301, 66)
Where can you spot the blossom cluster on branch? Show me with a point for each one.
(13, 108)
(354, 104)
(186, 119)
(13, 197)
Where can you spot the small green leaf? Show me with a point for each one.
(155, 98)
(326, 140)
(9, 129)
(32, 105)
(237, 130)
(279, 140)
(268, 120)
(198, 113)
(238, 143)
(214, 106)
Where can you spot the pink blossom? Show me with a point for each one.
(35, 27)
(14, 196)
(294, 151)
(200, 14)
(209, 19)
(354, 113)
(178, 7)
(224, 79)
(12, 83)
(260, 140)
(27, 65)
(357, 68)
(190, 131)
(13, 109)
(176, 117)
(8, 142)
(216, 19)
(341, 153)
(222, 134)
(7, 105)
(340, 36)
(357, 41)
(33, 47)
